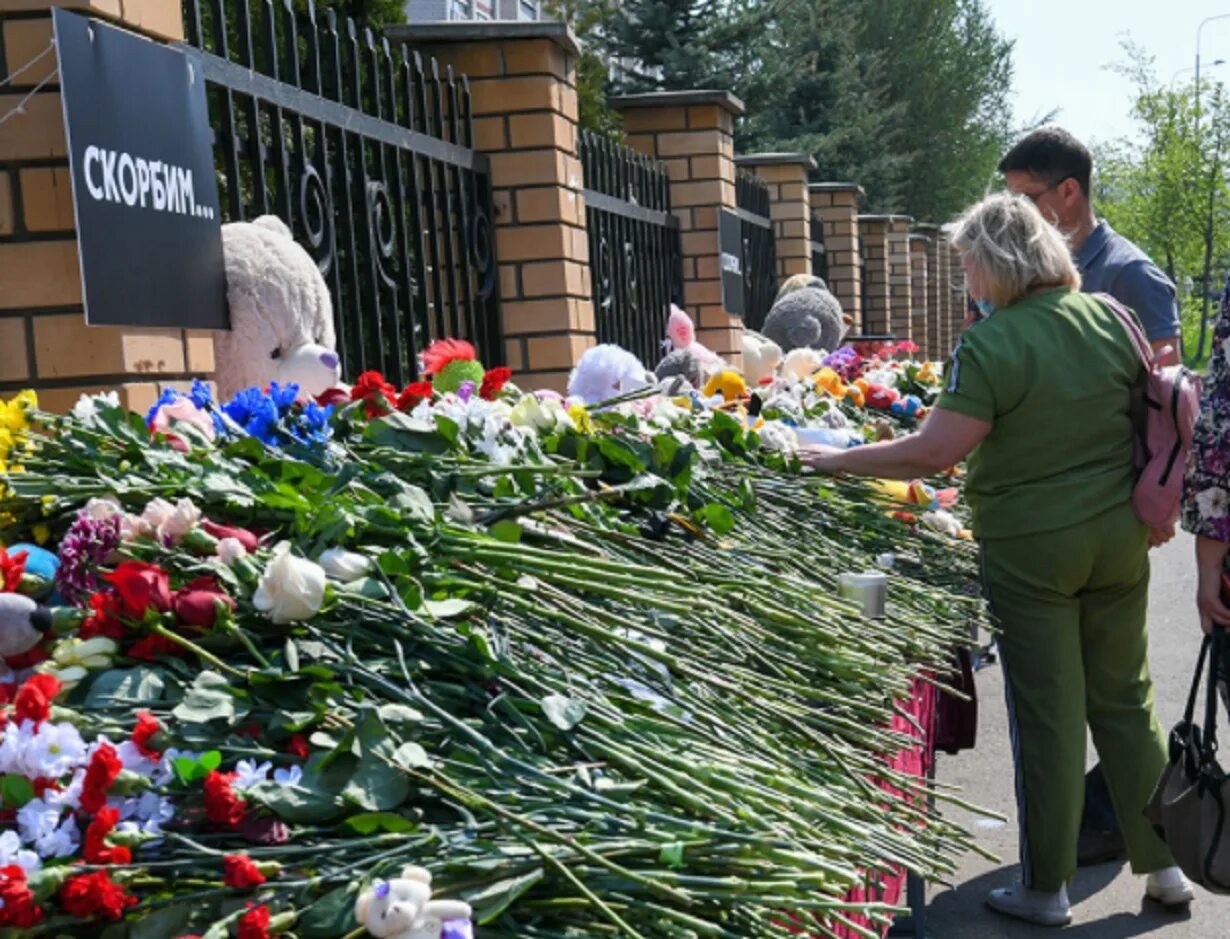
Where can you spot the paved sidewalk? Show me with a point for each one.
(1108, 900)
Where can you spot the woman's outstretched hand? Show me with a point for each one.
(822, 459)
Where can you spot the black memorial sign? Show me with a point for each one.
(730, 244)
(149, 228)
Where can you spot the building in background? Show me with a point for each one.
(438, 11)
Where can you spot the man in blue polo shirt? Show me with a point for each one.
(1054, 170)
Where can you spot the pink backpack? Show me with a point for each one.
(1164, 415)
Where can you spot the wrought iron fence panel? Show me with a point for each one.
(634, 246)
(759, 247)
(366, 152)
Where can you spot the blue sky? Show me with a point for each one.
(1063, 46)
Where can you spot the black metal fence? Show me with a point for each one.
(759, 247)
(634, 250)
(366, 152)
(819, 259)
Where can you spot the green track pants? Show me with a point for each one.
(1071, 607)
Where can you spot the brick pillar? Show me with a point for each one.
(900, 294)
(937, 290)
(837, 206)
(524, 98)
(956, 287)
(44, 341)
(873, 230)
(918, 291)
(693, 133)
(786, 174)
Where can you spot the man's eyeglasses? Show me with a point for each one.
(1035, 196)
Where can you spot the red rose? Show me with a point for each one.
(17, 907)
(88, 895)
(100, 776)
(141, 586)
(494, 381)
(255, 923)
(147, 727)
(104, 619)
(153, 648)
(240, 872)
(298, 746)
(12, 567)
(414, 393)
(222, 806)
(377, 394)
(199, 607)
(333, 396)
(97, 851)
(242, 535)
(34, 697)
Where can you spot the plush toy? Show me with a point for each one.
(806, 315)
(681, 364)
(23, 624)
(452, 363)
(907, 406)
(728, 383)
(403, 908)
(606, 372)
(879, 397)
(800, 364)
(681, 333)
(761, 357)
(281, 314)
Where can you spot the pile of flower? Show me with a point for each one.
(586, 665)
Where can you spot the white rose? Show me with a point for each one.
(171, 522)
(99, 510)
(88, 406)
(344, 565)
(291, 588)
(231, 550)
(97, 652)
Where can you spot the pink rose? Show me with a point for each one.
(181, 410)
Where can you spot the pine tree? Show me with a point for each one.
(673, 39)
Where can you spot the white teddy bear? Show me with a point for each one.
(403, 908)
(281, 313)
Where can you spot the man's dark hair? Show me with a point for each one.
(1052, 154)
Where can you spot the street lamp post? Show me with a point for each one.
(1200, 29)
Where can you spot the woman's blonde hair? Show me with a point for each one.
(1013, 248)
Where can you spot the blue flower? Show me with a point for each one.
(313, 423)
(168, 396)
(256, 413)
(283, 396)
(201, 395)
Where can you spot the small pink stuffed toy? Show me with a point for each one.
(682, 335)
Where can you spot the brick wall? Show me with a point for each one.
(918, 290)
(790, 206)
(837, 206)
(873, 233)
(44, 341)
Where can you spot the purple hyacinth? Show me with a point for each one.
(457, 929)
(88, 543)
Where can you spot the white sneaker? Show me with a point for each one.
(1169, 888)
(1033, 906)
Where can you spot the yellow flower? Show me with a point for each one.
(42, 534)
(580, 416)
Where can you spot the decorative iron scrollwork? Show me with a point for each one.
(382, 225)
(482, 249)
(316, 210)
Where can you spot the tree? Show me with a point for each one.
(364, 12)
(672, 38)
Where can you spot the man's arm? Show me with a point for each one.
(1143, 287)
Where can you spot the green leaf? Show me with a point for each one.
(393, 564)
(411, 756)
(125, 687)
(310, 802)
(491, 901)
(401, 432)
(718, 517)
(448, 609)
(399, 714)
(378, 784)
(17, 791)
(368, 823)
(672, 855)
(506, 530)
(168, 921)
(564, 713)
(191, 770)
(331, 916)
(209, 699)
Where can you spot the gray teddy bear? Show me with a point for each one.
(806, 315)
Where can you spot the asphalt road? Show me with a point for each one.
(1108, 901)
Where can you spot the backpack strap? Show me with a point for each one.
(1132, 327)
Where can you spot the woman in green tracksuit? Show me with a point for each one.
(1037, 398)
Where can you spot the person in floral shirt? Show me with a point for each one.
(1206, 490)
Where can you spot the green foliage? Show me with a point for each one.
(363, 12)
(587, 19)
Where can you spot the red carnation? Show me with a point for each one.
(377, 394)
(298, 746)
(197, 604)
(140, 586)
(240, 872)
(442, 351)
(104, 619)
(17, 907)
(333, 396)
(34, 697)
(147, 727)
(153, 648)
(88, 895)
(242, 535)
(413, 394)
(494, 381)
(100, 776)
(255, 923)
(12, 567)
(97, 851)
(222, 806)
